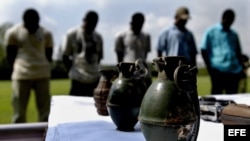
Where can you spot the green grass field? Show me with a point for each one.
(61, 87)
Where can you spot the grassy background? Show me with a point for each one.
(61, 87)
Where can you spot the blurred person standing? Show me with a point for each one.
(82, 52)
(221, 51)
(177, 40)
(133, 43)
(243, 81)
(29, 48)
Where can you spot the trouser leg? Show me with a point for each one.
(21, 93)
(216, 81)
(232, 83)
(75, 89)
(42, 96)
(224, 82)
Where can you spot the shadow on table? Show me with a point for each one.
(92, 131)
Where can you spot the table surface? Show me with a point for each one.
(75, 119)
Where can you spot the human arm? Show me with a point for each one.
(11, 46)
(162, 44)
(49, 46)
(238, 49)
(193, 51)
(193, 60)
(243, 58)
(205, 47)
(11, 52)
(67, 51)
(67, 61)
(119, 48)
(48, 53)
(159, 53)
(119, 56)
(205, 57)
(100, 48)
(148, 45)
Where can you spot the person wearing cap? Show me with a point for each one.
(29, 48)
(177, 40)
(82, 50)
(221, 52)
(132, 43)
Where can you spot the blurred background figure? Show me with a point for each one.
(29, 52)
(243, 81)
(133, 43)
(177, 40)
(222, 55)
(82, 52)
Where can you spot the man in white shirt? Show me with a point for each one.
(134, 44)
(29, 52)
(82, 52)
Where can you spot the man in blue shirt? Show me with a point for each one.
(177, 40)
(221, 52)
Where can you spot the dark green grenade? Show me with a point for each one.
(170, 107)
